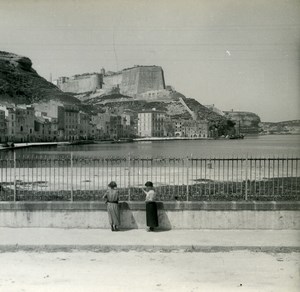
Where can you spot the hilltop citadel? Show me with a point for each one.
(137, 82)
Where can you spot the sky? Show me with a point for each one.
(236, 54)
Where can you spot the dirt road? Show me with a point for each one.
(146, 271)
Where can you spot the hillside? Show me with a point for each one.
(172, 105)
(20, 83)
(285, 127)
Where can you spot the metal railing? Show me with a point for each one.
(75, 178)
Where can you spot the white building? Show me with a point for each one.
(151, 123)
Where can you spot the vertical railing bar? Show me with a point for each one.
(129, 172)
(232, 175)
(223, 175)
(205, 164)
(282, 176)
(254, 177)
(278, 176)
(187, 179)
(269, 175)
(228, 171)
(296, 180)
(246, 180)
(273, 174)
(71, 170)
(259, 176)
(197, 178)
(287, 174)
(237, 176)
(178, 162)
(214, 160)
(15, 186)
(292, 172)
(209, 177)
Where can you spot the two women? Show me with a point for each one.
(112, 199)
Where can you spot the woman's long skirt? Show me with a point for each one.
(113, 213)
(151, 214)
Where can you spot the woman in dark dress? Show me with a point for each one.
(112, 200)
(151, 207)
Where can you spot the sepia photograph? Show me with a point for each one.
(150, 145)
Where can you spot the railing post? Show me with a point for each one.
(246, 180)
(187, 178)
(15, 174)
(129, 171)
(71, 170)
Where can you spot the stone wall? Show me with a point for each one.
(83, 83)
(131, 81)
(110, 81)
(172, 215)
(150, 78)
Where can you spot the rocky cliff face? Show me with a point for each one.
(248, 122)
(20, 83)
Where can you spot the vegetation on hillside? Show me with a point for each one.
(20, 83)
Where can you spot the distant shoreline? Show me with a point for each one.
(149, 139)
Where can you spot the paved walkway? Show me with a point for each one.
(55, 239)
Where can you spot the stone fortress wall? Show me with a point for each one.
(80, 83)
(111, 81)
(132, 81)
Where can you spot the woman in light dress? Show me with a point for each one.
(112, 200)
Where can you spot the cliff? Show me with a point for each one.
(247, 122)
(286, 127)
(20, 83)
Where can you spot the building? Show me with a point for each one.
(49, 109)
(129, 123)
(68, 126)
(115, 127)
(20, 124)
(3, 134)
(100, 122)
(46, 129)
(191, 128)
(84, 125)
(151, 123)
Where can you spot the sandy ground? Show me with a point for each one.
(143, 271)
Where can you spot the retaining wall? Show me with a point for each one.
(172, 215)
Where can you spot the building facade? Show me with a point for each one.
(20, 124)
(68, 126)
(191, 128)
(151, 123)
(3, 134)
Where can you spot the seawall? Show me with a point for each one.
(172, 215)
